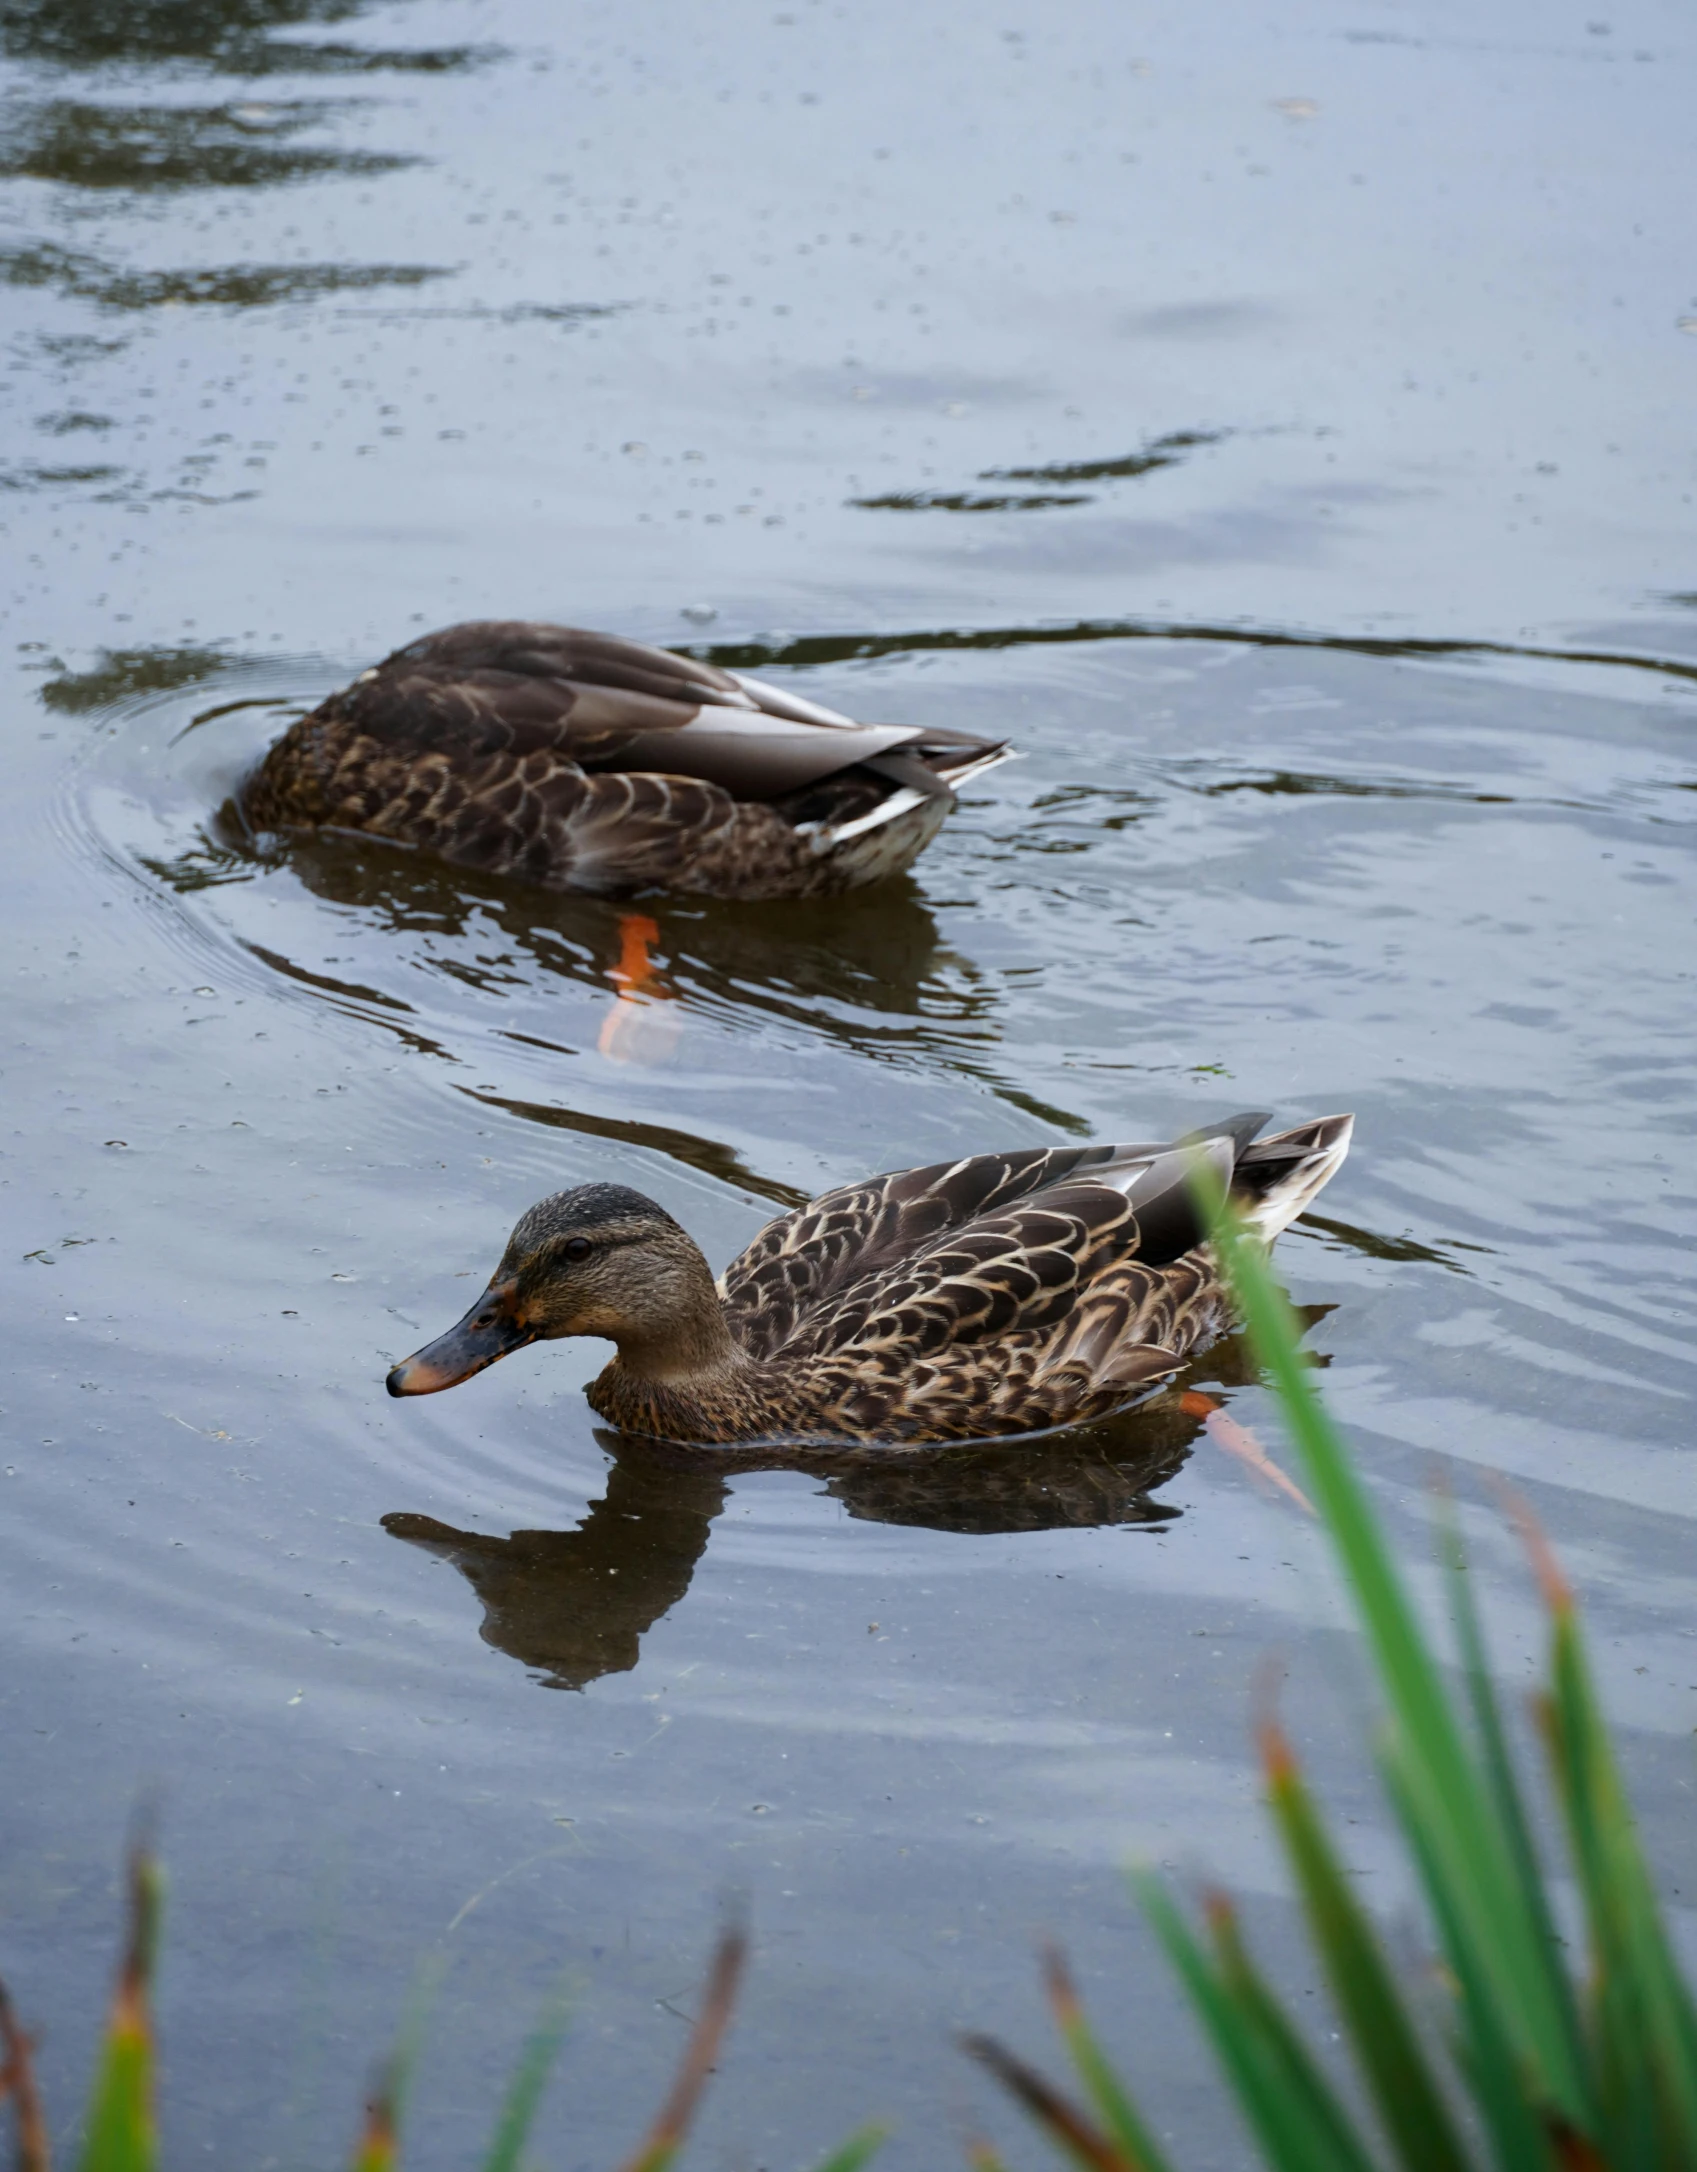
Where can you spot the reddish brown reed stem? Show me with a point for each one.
(676, 2114)
(17, 2081)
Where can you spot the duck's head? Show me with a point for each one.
(600, 1260)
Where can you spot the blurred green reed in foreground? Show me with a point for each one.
(1532, 2066)
(121, 2135)
(1528, 2066)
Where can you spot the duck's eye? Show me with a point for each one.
(576, 1248)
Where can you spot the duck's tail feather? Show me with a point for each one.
(1276, 1178)
(962, 768)
(916, 779)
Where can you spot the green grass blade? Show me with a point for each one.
(1494, 2073)
(379, 2137)
(1287, 2102)
(1493, 2009)
(1646, 2025)
(1288, 2056)
(861, 2146)
(1406, 2092)
(524, 2091)
(1103, 2086)
(1466, 1846)
(1505, 1787)
(121, 2133)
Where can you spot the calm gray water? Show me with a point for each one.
(1278, 420)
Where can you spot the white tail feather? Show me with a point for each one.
(980, 765)
(1323, 1144)
(825, 838)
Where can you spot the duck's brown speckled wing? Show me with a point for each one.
(1005, 1293)
(1047, 1310)
(1029, 1265)
(1031, 1227)
(534, 649)
(609, 705)
(1057, 1307)
(580, 759)
(803, 1260)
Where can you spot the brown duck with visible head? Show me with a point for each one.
(585, 762)
(1005, 1293)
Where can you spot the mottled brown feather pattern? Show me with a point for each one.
(807, 1257)
(1000, 1294)
(542, 752)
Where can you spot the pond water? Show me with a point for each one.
(1277, 422)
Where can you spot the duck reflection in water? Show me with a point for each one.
(574, 1605)
(868, 969)
(638, 1026)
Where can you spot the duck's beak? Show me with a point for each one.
(488, 1331)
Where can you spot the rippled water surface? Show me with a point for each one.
(1278, 423)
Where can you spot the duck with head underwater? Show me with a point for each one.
(998, 1294)
(585, 762)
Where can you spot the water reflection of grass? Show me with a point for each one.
(123, 675)
(1162, 452)
(217, 286)
(963, 501)
(236, 37)
(37, 477)
(88, 146)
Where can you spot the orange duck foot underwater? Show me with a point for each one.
(1004, 1293)
(584, 762)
